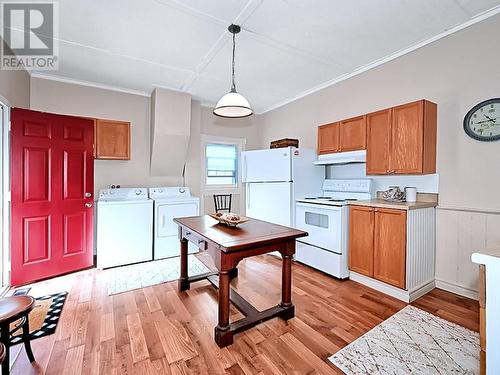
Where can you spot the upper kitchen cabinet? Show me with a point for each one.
(112, 140)
(328, 138)
(402, 140)
(346, 135)
(378, 134)
(353, 134)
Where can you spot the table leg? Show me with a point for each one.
(223, 336)
(183, 283)
(286, 281)
(286, 287)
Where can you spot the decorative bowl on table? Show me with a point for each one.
(229, 219)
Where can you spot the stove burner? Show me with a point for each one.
(337, 200)
(351, 199)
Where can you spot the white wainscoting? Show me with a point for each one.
(420, 248)
(460, 232)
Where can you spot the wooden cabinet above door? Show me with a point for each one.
(112, 140)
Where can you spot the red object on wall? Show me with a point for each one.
(52, 187)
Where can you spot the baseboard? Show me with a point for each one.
(401, 294)
(422, 290)
(457, 289)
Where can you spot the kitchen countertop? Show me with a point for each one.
(491, 254)
(380, 203)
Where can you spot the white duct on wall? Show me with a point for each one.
(170, 131)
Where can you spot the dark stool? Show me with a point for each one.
(12, 309)
(2, 352)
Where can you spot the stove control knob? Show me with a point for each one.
(138, 192)
(182, 190)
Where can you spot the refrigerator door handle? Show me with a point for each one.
(248, 196)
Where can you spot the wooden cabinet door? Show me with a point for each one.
(328, 138)
(389, 251)
(361, 229)
(353, 134)
(112, 140)
(407, 138)
(378, 131)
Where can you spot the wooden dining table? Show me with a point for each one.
(227, 246)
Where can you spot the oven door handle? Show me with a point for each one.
(318, 207)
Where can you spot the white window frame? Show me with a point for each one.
(237, 188)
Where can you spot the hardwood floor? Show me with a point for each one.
(157, 330)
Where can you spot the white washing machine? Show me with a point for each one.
(124, 227)
(170, 203)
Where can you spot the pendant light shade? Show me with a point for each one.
(233, 104)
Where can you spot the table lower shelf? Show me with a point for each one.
(224, 337)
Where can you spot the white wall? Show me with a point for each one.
(427, 183)
(456, 72)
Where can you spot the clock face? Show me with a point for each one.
(482, 122)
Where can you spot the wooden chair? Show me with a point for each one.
(12, 309)
(222, 202)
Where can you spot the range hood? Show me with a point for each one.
(342, 158)
(170, 131)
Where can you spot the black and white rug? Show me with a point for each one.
(43, 318)
(412, 341)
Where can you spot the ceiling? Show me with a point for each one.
(285, 50)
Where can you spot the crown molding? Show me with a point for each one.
(476, 19)
(96, 85)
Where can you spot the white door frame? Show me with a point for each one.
(5, 196)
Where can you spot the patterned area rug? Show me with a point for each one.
(135, 276)
(43, 318)
(412, 341)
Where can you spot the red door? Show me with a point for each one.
(52, 179)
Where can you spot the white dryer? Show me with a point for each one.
(124, 227)
(171, 203)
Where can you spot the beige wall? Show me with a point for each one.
(204, 122)
(73, 99)
(456, 72)
(15, 87)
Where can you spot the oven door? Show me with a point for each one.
(323, 223)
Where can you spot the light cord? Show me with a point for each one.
(233, 86)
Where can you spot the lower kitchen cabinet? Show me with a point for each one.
(393, 250)
(361, 232)
(389, 250)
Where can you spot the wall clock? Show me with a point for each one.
(482, 122)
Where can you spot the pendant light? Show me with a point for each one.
(233, 104)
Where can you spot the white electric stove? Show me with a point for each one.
(326, 219)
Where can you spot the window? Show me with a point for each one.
(221, 164)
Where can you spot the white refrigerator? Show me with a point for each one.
(275, 178)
